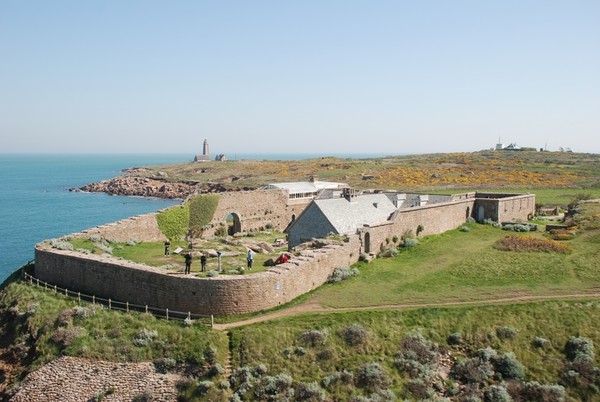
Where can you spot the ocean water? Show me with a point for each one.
(35, 203)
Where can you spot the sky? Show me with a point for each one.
(330, 76)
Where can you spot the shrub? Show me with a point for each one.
(65, 335)
(454, 338)
(470, 219)
(371, 376)
(580, 349)
(342, 273)
(410, 242)
(325, 354)
(528, 243)
(419, 389)
(144, 336)
(354, 335)
(472, 370)
(174, 222)
(273, 387)
(464, 229)
(540, 342)
(344, 377)
(508, 367)
(534, 391)
(496, 393)
(314, 337)
(388, 252)
(506, 333)
(212, 273)
(61, 245)
(165, 364)
(309, 392)
(201, 210)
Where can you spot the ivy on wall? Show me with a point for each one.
(202, 210)
(174, 222)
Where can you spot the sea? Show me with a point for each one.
(36, 204)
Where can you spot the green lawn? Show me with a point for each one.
(464, 266)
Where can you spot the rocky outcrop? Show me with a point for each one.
(140, 186)
(77, 379)
(131, 185)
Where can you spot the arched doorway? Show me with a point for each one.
(480, 213)
(234, 225)
(468, 213)
(367, 245)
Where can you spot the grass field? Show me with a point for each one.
(464, 266)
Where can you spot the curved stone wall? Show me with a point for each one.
(110, 277)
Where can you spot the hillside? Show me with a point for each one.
(556, 176)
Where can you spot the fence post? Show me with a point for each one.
(127, 306)
(109, 303)
(54, 288)
(212, 321)
(93, 299)
(167, 311)
(66, 292)
(79, 297)
(189, 316)
(146, 309)
(38, 282)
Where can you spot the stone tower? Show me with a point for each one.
(205, 149)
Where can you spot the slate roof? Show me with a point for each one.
(346, 216)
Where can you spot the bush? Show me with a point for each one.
(144, 336)
(212, 273)
(165, 364)
(388, 252)
(528, 243)
(464, 229)
(342, 273)
(534, 391)
(506, 333)
(309, 392)
(371, 376)
(454, 338)
(314, 337)
(540, 342)
(496, 393)
(273, 387)
(472, 371)
(580, 349)
(508, 367)
(410, 242)
(61, 244)
(354, 335)
(419, 389)
(174, 222)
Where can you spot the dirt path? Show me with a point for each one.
(317, 308)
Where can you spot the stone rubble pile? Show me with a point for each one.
(72, 379)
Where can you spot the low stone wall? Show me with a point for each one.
(138, 228)
(75, 379)
(110, 277)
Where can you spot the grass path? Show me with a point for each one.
(317, 308)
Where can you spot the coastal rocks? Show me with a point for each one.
(140, 186)
(77, 379)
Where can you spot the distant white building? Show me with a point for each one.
(305, 189)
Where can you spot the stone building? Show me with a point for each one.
(205, 153)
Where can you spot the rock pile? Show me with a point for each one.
(76, 379)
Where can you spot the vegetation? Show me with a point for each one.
(202, 210)
(174, 222)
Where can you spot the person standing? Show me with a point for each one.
(203, 262)
(188, 263)
(167, 247)
(249, 259)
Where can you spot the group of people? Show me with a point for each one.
(203, 258)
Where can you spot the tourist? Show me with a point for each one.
(203, 262)
(188, 263)
(249, 259)
(167, 247)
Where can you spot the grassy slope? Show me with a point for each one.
(459, 266)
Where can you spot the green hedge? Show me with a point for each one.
(202, 210)
(174, 222)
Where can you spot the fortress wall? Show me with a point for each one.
(517, 208)
(256, 208)
(109, 277)
(435, 218)
(138, 228)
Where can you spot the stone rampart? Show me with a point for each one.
(138, 228)
(434, 219)
(504, 207)
(255, 209)
(110, 277)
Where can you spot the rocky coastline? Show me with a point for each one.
(129, 185)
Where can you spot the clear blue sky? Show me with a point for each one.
(298, 76)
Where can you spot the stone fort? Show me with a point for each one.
(110, 277)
